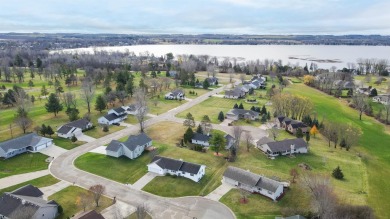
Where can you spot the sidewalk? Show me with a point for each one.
(17, 179)
(50, 190)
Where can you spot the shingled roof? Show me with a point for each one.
(201, 137)
(285, 145)
(251, 179)
(242, 112)
(31, 139)
(28, 190)
(131, 143)
(81, 123)
(176, 165)
(112, 116)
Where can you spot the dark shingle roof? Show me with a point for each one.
(264, 140)
(65, 129)
(89, 215)
(119, 110)
(201, 137)
(114, 146)
(251, 179)
(176, 165)
(229, 138)
(235, 92)
(287, 120)
(134, 140)
(81, 123)
(281, 118)
(31, 139)
(177, 92)
(28, 190)
(243, 112)
(297, 124)
(9, 204)
(111, 117)
(285, 145)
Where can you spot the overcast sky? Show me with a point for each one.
(197, 16)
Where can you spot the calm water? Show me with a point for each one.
(340, 55)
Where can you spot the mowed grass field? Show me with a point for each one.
(23, 163)
(374, 145)
(213, 105)
(43, 181)
(67, 198)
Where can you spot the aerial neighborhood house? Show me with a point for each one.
(131, 109)
(212, 81)
(92, 214)
(230, 140)
(236, 114)
(74, 128)
(364, 90)
(113, 116)
(263, 140)
(177, 94)
(285, 147)
(348, 85)
(383, 99)
(29, 142)
(131, 148)
(252, 182)
(165, 165)
(235, 93)
(294, 125)
(172, 74)
(27, 199)
(201, 139)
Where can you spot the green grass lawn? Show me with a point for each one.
(213, 105)
(373, 145)
(43, 181)
(23, 163)
(163, 105)
(98, 131)
(67, 199)
(66, 143)
(121, 169)
(381, 88)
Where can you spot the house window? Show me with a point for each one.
(192, 174)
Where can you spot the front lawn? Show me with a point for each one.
(43, 181)
(163, 105)
(98, 131)
(67, 198)
(23, 163)
(213, 105)
(66, 143)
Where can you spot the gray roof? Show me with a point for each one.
(285, 145)
(298, 124)
(31, 139)
(201, 137)
(28, 190)
(92, 214)
(112, 116)
(65, 129)
(235, 92)
(281, 118)
(119, 110)
(242, 112)
(176, 165)
(131, 143)
(212, 79)
(229, 138)
(251, 179)
(264, 140)
(81, 123)
(177, 92)
(132, 107)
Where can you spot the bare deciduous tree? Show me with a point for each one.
(273, 130)
(141, 212)
(97, 192)
(248, 140)
(84, 200)
(361, 103)
(69, 100)
(141, 106)
(87, 92)
(237, 132)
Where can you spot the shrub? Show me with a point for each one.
(338, 173)
(73, 138)
(105, 128)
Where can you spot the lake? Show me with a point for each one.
(324, 55)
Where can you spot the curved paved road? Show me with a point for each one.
(187, 207)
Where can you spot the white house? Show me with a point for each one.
(253, 183)
(201, 139)
(177, 94)
(75, 128)
(236, 114)
(230, 140)
(383, 99)
(169, 166)
(285, 147)
(131, 109)
(29, 142)
(116, 115)
(131, 148)
(27, 198)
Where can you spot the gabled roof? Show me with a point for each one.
(114, 146)
(92, 214)
(112, 117)
(135, 140)
(285, 145)
(132, 107)
(31, 139)
(177, 92)
(201, 137)
(251, 179)
(28, 190)
(119, 110)
(176, 165)
(297, 124)
(264, 140)
(81, 123)
(229, 137)
(235, 92)
(287, 120)
(65, 129)
(10, 204)
(212, 79)
(281, 118)
(242, 112)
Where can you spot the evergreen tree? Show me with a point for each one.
(307, 137)
(199, 129)
(100, 104)
(241, 106)
(350, 93)
(188, 135)
(43, 130)
(235, 106)
(264, 118)
(32, 99)
(253, 108)
(221, 117)
(299, 133)
(53, 104)
(373, 92)
(30, 83)
(343, 144)
(217, 142)
(263, 110)
(167, 74)
(44, 91)
(206, 84)
(120, 87)
(107, 90)
(73, 139)
(72, 113)
(49, 131)
(268, 116)
(338, 173)
(105, 128)
(130, 86)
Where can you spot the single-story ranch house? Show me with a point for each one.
(285, 147)
(253, 183)
(29, 142)
(131, 148)
(236, 114)
(201, 139)
(165, 165)
(290, 125)
(383, 99)
(75, 128)
(235, 93)
(27, 198)
(212, 81)
(113, 116)
(177, 94)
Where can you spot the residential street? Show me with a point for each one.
(187, 207)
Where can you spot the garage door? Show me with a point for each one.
(154, 170)
(40, 147)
